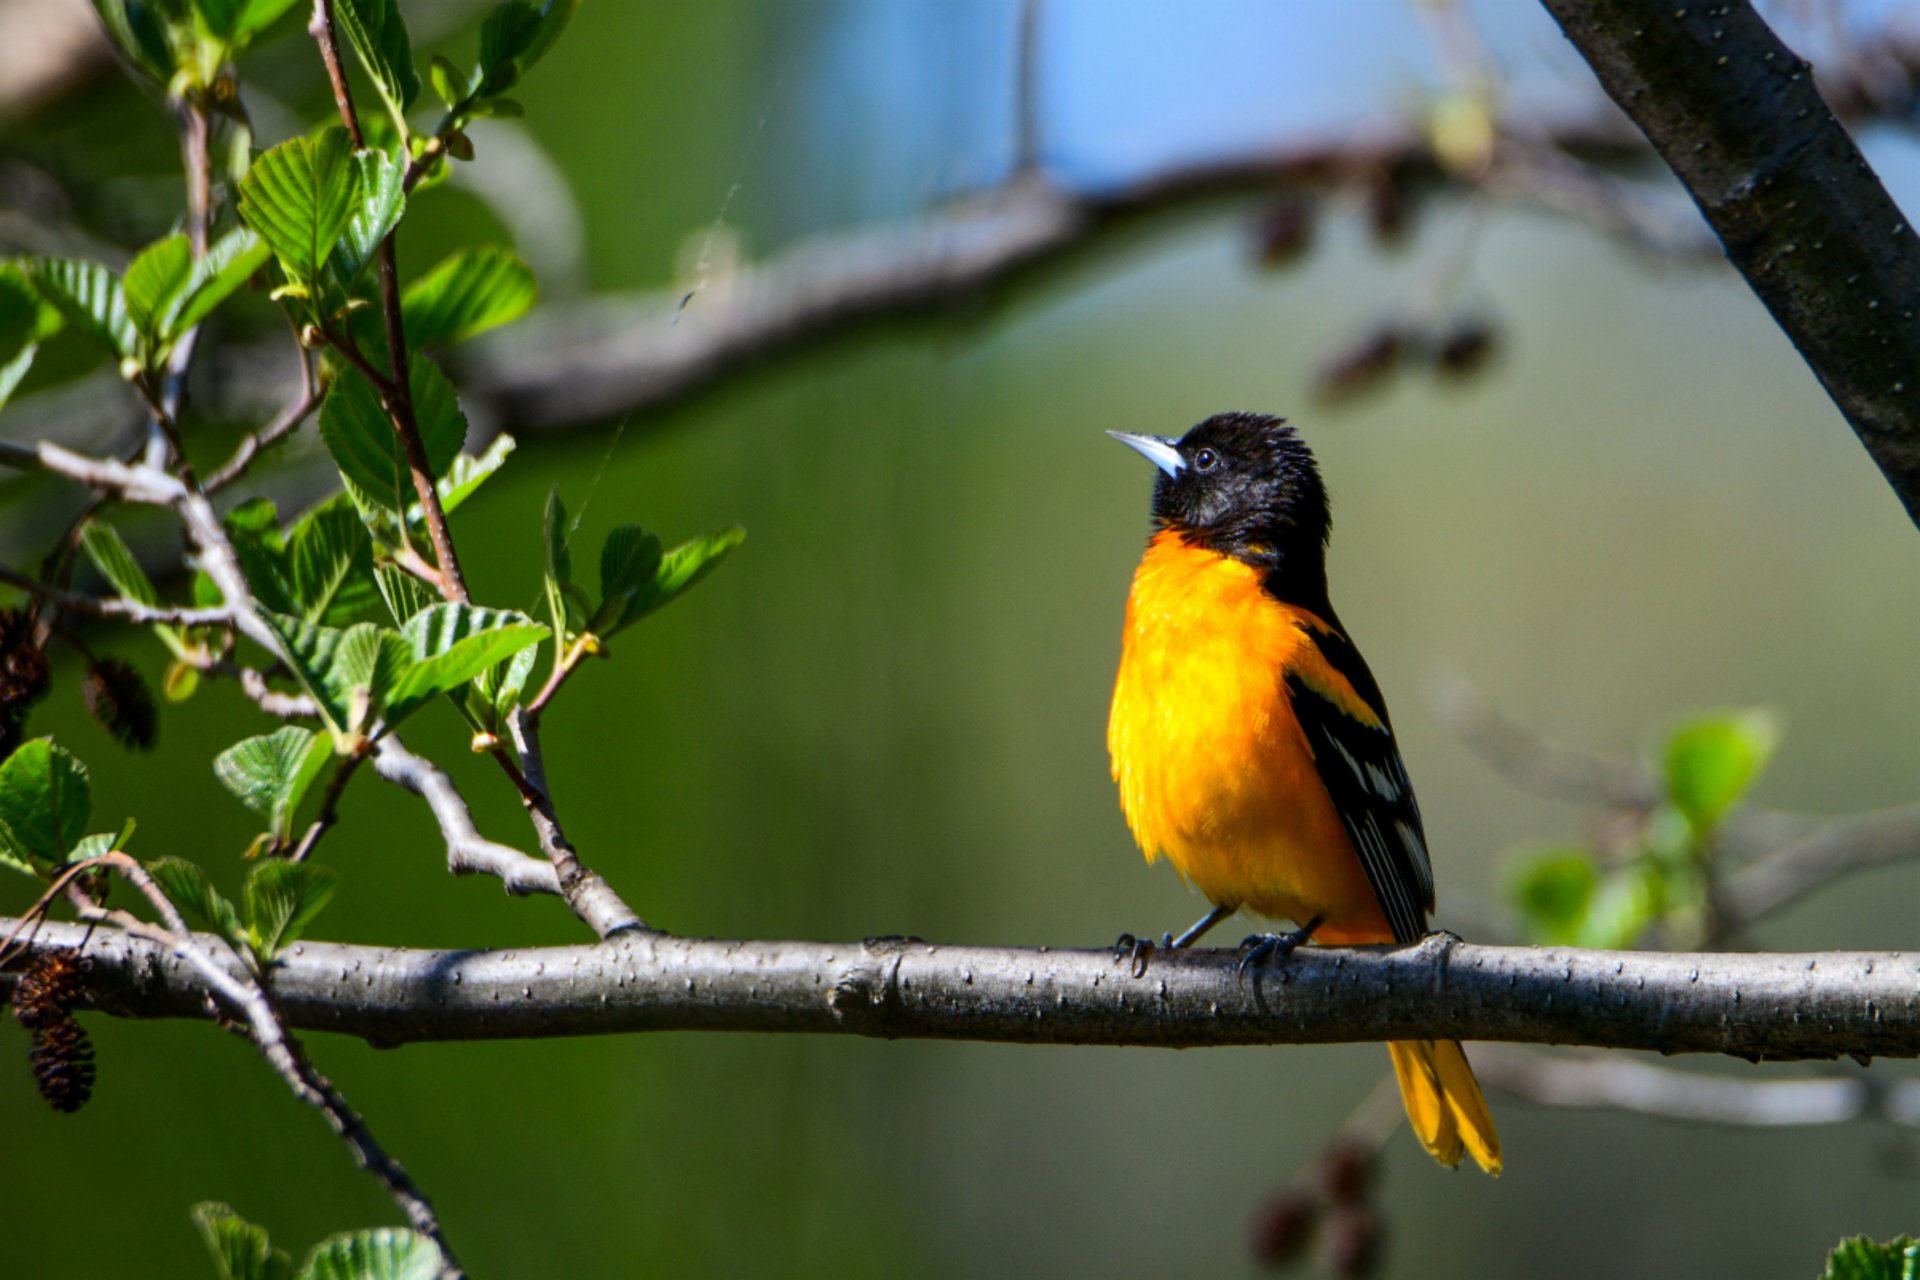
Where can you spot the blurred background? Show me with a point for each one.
(886, 713)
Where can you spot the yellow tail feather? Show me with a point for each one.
(1444, 1104)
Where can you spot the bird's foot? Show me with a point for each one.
(1139, 951)
(1272, 948)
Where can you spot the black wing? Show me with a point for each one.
(1360, 766)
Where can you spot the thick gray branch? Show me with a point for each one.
(1751, 1006)
(1736, 116)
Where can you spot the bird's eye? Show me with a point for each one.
(1205, 460)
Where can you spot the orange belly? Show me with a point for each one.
(1213, 770)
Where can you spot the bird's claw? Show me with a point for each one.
(1267, 948)
(1138, 952)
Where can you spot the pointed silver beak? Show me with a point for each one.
(1156, 449)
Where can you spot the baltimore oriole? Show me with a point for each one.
(1251, 744)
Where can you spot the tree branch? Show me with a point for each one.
(1751, 1006)
(468, 852)
(1646, 1088)
(1736, 116)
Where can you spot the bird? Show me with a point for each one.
(1251, 745)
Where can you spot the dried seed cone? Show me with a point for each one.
(119, 699)
(62, 1060)
(61, 1056)
(24, 676)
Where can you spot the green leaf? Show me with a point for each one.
(378, 35)
(188, 888)
(405, 594)
(446, 80)
(240, 1249)
(26, 320)
(628, 559)
(469, 292)
(253, 528)
(229, 262)
(272, 772)
(517, 34)
(452, 643)
(235, 22)
(282, 898)
(89, 297)
(365, 447)
(1629, 900)
(138, 31)
(300, 196)
(382, 198)
(45, 797)
(386, 1253)
(467, 474)
(330, 559)
(154, 282)
(1553, 892)
(1859, 1258)
(679, 569)
(559, 560)
(311, 652)
(115, 561)
(498, 689)
(1712, 761)
(94, 846)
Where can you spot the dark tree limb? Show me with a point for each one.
(1751, 1006)
(1736, 116)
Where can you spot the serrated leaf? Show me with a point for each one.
(379, 38)
(240, 1249)
(1860, 1258)
(299, 197)
(45, 797)
(253, 529)
(385, 1253)
(188, 888)
(1553, 891)
(363, 443)
(469, 292)
(89, 297)
(679, 570)
(115, 560)
(309, 651)
(1712, 761)
(272, 772)
(154, 282)
(380, 200)
(228, 264)
(466, 475)
(450, 644)
(330, 559)
(282, 898)
(405, 594)
(629, 557)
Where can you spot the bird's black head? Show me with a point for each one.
(1245, 485)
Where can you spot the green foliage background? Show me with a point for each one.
(887, 715)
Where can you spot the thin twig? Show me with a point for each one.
(116, 607)
(329, 813)
(227, 977)
(282, 426)
(591, 897)
(468, 852)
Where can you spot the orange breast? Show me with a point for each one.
(1213, 770)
